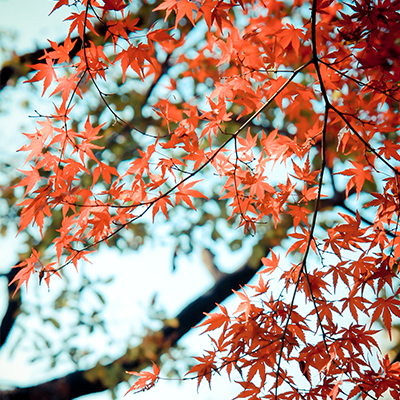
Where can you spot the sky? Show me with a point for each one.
(139, 275)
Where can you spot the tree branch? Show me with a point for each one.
(93, 380)
(14, 304)
(15, 68)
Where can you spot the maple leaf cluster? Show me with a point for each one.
(309, 88)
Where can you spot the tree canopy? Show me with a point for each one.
(271, 126)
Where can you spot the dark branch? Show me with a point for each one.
(80, 383)
(14, 304)
(15, 68)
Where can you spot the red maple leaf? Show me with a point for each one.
(45, 72)
(185, 192)
(386, 307)
(146, 379)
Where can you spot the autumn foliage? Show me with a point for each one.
(290, 110)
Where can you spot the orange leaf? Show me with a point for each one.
(146, 381)
(45, 72)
